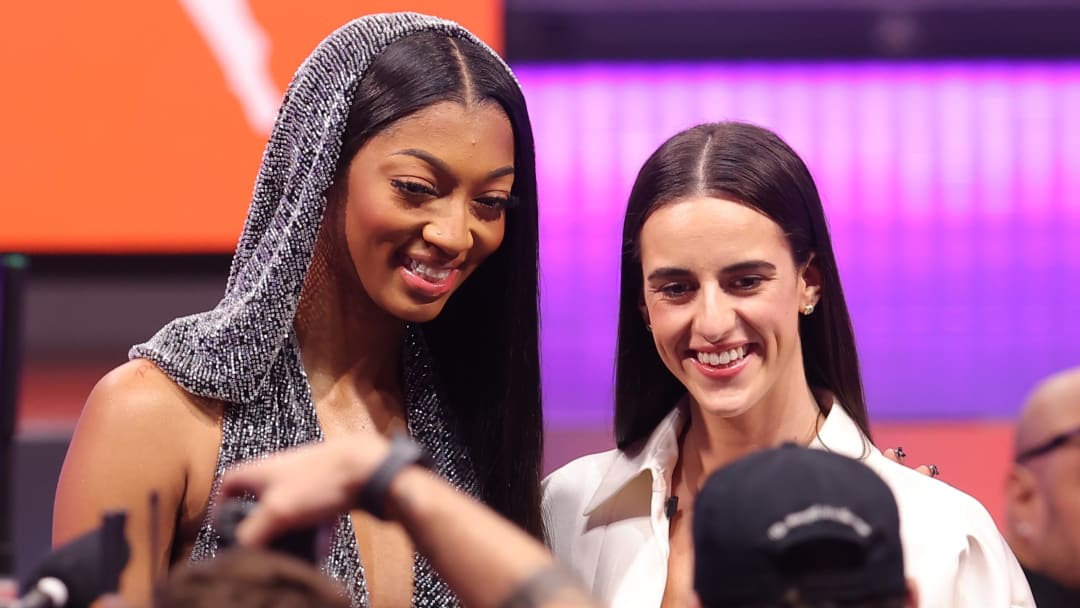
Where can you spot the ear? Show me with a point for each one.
(1023, 505)
(810, 283)
(644, 310)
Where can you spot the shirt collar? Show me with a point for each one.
(839, 434)
(657, 455)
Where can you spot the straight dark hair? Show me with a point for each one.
(753, 166)
(485, 343)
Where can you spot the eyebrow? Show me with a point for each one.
(441, 166)
(750, 265)
(669, 272)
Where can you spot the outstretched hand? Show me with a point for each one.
(897, 455)
(303, 486)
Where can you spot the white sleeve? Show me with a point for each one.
(989, 574)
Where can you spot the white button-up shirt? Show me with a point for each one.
(605, 519)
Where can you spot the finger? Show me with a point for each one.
(930, 470)
(243, 480)
(260, 526)
(895, 454)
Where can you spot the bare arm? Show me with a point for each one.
(487, 560)
(135, 436)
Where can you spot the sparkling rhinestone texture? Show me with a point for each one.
(244, 351)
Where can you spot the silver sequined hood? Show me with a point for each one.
(226, 353)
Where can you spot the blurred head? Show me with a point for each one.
(725, 245)
(255, 578)
(1043, 487)
(793, 526)
(433, 214)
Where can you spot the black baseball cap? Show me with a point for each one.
(796, 523)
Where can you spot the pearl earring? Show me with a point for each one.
(808, 310)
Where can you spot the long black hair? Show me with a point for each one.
(485, 343)
(755, 167)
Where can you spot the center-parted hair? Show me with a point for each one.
(752, 166)
(485, 342)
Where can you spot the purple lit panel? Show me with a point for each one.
(953, 193)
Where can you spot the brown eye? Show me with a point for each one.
(496, 202)
(674, 290)
(748, 283)
(413, 188)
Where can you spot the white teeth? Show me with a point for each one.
(434, 275)
(727, 357)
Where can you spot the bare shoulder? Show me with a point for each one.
(139, 431)
(137, 418)
(139, 434)
(138, 391)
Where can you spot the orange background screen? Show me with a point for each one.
(122, 130)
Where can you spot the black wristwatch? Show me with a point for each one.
(403, 453)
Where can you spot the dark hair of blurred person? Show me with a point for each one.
(254, 578)
(793, 527)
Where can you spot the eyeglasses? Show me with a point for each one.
(1054, 443)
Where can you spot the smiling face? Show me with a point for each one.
(723, 296)
(425, 205)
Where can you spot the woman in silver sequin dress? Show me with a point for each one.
(386, 279)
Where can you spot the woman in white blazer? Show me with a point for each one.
(734, 336)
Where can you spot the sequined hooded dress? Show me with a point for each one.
(244, 352)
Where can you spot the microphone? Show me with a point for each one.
(81, 571)
(301, 543)
(48, 592)
(671, 505)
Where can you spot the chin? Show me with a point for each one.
(721, 405)
(419, 313)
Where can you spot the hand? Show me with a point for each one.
(303, 486)
(897, 455)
